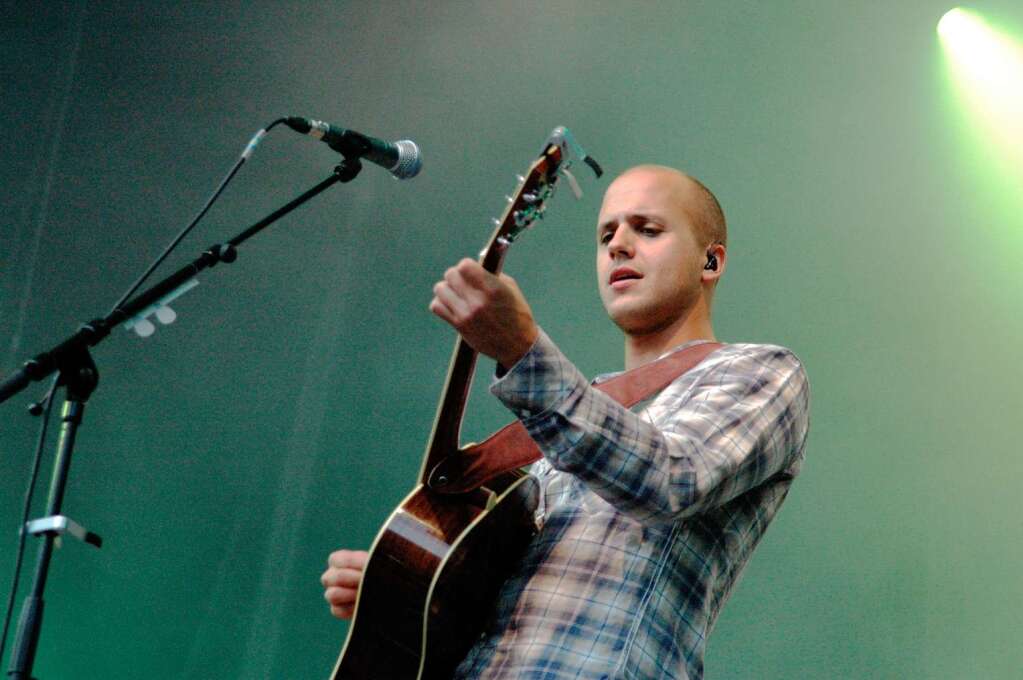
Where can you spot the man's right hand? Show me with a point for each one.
(341, 580)
(488, 311)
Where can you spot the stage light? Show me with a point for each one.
(986, 67)
(953, 19)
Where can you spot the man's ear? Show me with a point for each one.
(715, 265)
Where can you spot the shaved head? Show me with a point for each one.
(697, 200)
(660, 254)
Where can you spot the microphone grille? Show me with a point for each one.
(410, 162)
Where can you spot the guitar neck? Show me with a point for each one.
(451, 409)
(522, 210)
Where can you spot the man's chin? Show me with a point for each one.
(640, 320)
(633, 321)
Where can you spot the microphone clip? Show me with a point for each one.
(348, 169)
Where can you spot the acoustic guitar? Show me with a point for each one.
(436, 565)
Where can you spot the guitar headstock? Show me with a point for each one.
(528, 203)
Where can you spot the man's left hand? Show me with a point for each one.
(489, 311)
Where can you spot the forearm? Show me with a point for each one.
(701, 446)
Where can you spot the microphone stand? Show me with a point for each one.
(79, 376)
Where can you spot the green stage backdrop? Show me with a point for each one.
(284, 413)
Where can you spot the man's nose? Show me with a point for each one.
(620, 244)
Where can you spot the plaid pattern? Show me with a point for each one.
(647, 516)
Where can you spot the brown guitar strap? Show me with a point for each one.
(511, 447)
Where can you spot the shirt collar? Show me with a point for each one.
(692, 343)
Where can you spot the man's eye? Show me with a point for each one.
(649, 231)
(605, 238)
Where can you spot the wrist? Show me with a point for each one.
(517, 350)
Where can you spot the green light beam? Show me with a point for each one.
(985, 69)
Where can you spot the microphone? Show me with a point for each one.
(401, 158)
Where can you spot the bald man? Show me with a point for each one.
(647, 515)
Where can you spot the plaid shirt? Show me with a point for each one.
(647, 516)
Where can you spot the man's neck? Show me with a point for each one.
(642, 349)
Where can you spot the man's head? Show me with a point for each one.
(661, 240)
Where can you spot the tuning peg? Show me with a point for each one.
(496, 222)
(520, 179)
(509, 199)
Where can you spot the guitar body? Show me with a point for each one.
(432, 576)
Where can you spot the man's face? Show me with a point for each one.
(649, 263)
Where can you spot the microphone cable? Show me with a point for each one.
(253, 143)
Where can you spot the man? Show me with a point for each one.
(648, 515)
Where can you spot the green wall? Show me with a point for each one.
(285, 412)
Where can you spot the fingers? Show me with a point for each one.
(463, 292)
(510, 282)
(338, 597)
(346, 578)
(341, 601)
(448, 304)
(472, 272)
(344, 568)
(341, 580)
(351, 559)
(489, 312)
(344, 612)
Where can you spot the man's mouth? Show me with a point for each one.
(620, 277)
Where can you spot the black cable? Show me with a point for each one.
(29, 492)
(209, 204)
